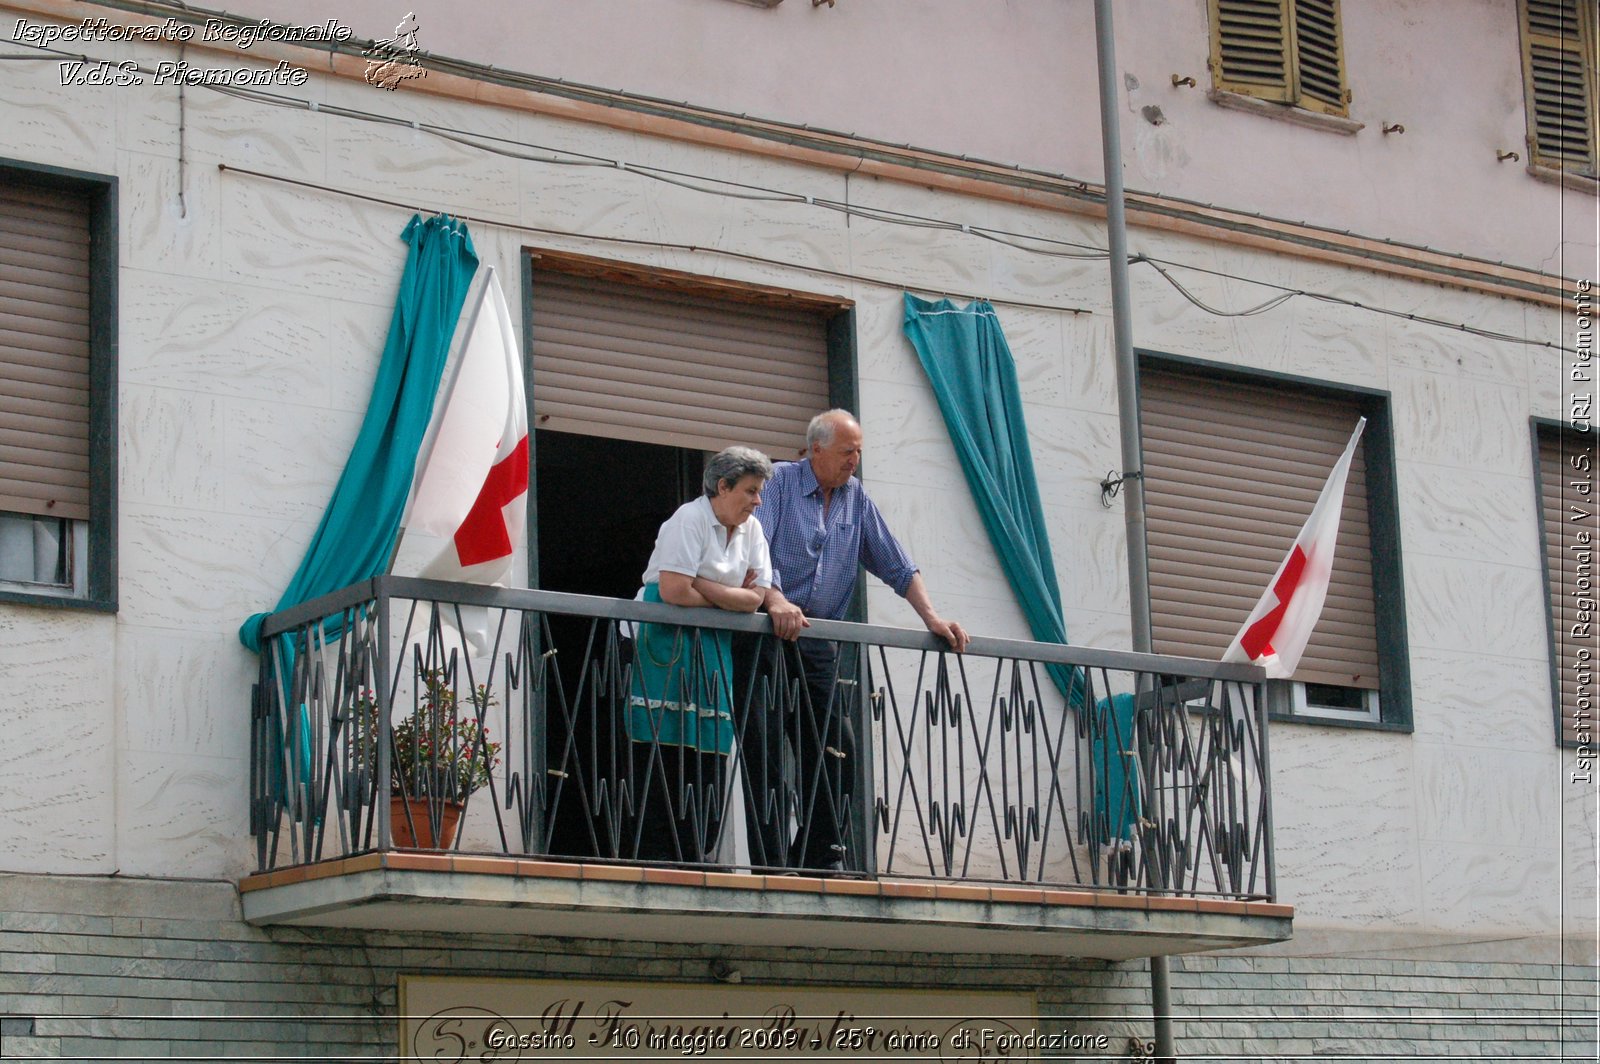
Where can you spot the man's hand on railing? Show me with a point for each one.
(788, 620)
(916, 596)
(950, 632)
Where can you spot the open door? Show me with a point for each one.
(600, 504)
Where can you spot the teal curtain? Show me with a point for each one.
(357, 534)
(969, 364)
(1116, 786)
(359, 527)
(964, 353)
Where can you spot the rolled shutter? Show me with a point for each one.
(633, 362)
(1559, 41)
(1231, 472)
(44, 352)
(1562, 562)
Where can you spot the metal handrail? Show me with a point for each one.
(569, 604)
(970, 767)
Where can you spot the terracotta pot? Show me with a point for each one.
(422, 836)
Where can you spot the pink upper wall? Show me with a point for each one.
(1014, 81)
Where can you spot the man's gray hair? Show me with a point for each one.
(733, 465)
(819, 433)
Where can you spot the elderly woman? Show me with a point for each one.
(711, 552)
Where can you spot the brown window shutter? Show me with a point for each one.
(1563, 561)
(1250, 48)
(1287, 51)
(1559, 42)
(633, 362)
(1319, 56)
(1231, 472)
(44, 352)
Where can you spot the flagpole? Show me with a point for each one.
(1128, 415)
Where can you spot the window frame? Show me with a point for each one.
(1540, 429)
(1383, 517)
(1587, 44)
(1290, 91)
(98, 590)
(839, 314)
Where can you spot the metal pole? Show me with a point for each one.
(1160, 1004)
(1122, 334)
(384, 685)
(1128, 416)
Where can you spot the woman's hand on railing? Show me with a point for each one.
(681, 590)
(737, 599)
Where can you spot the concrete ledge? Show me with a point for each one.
(479, 895)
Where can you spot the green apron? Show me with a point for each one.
(682, 686)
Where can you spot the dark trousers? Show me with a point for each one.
(788, 690)
(678, 792)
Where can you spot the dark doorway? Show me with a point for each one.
(600, 503)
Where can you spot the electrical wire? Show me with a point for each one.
(663, 245)
(727, 188)
(1323, 297)
(1262, 308)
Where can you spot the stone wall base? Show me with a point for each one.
(106, 969)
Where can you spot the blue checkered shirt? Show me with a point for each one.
(815, 560)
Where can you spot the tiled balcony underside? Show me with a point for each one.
(499, 895)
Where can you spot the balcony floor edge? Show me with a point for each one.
(399, 892)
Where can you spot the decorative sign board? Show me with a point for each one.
(455, 1020)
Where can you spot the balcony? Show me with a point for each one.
(1021, 798)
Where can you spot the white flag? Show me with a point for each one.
(471, 484)
(1278, 629)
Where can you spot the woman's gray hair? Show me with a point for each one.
(733, 465)
(819, 433)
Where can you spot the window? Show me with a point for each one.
(1286, 51)
(1559, 41)
(57, 387)
(662, 357)
(1565, 477)
(635, 373)
(1232, 466)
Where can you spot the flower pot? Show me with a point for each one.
(415, 831)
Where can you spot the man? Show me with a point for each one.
(821, 526)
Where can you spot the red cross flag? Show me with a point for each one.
(1278, 629)
(471, 484)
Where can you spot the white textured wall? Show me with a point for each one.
(250, 327)
(1015, 82)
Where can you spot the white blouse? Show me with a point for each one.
(693, 542)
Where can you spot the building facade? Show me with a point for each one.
(1336, 211)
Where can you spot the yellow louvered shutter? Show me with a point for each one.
(1559, 41)
(1319, 59)
(1249, 47)
(1287, 51)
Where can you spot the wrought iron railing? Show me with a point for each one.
(553, 726)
